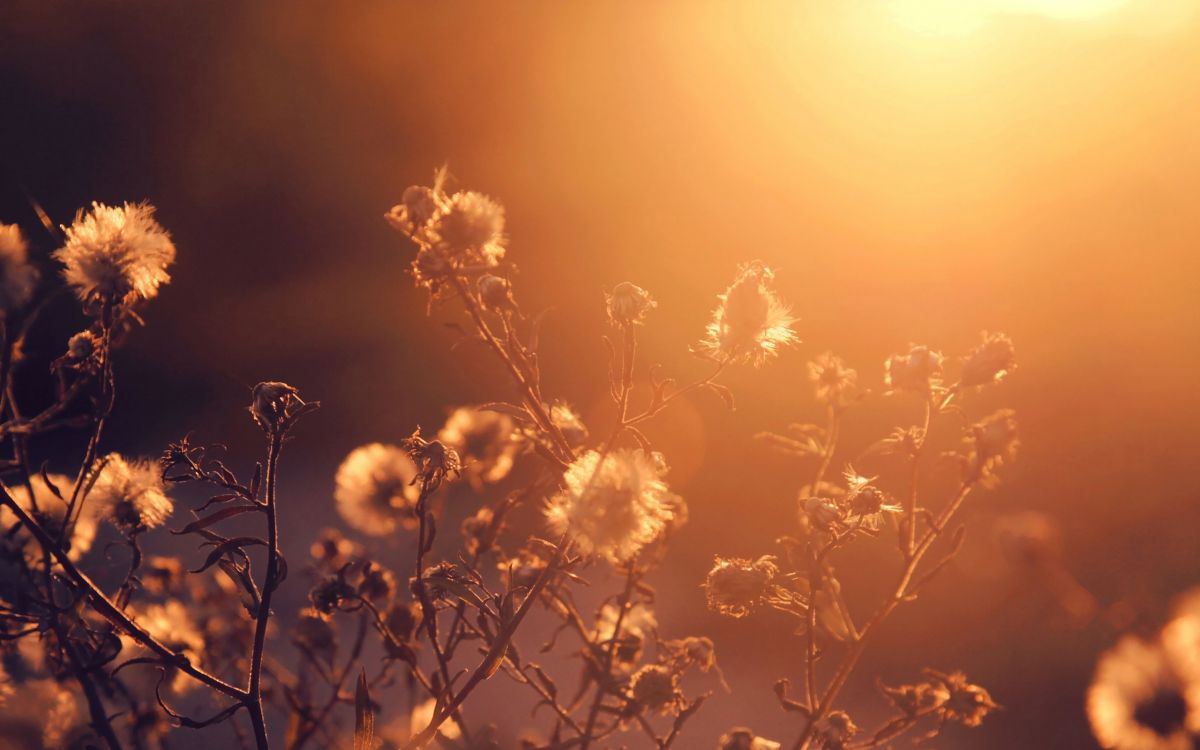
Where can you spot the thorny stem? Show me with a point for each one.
(900, 594)
(528, 390)
(496, 651)
(253, 698)
(111, 612)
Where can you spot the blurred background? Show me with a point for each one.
(916, 171)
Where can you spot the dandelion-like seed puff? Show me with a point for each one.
(1138, 699)
(130, 494)
(374, 489)
(751, 323)
(51, 509)
(484, 441)
(17, 277)
(613, 507)
(116, 252)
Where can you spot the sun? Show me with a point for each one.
(957, 17)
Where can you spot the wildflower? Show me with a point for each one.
(751, 323)
(50, 515)
(991, 443)
(656, 688)
(736, 586)
(471, 227)
(17, 276)
(613, 505)
(330, 593)
(740, 738)
(83, 346)
(637, 625)
(484, 442)
(376, 583)
(130, 494)
(834, 382)
(989, 362)
(418, 205)
(918, 699)
(374, 490)
(447, 578)
(569, 423)
(866, 505)
(479, 531)
(965, 703)
(824, 513)
(835, 730)
(435, 461)
(919, 371)
(275, 406)
(628, 304)
(496, 293)
(114, 253)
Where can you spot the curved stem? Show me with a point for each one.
(254, 692)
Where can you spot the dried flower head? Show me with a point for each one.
(116, 252)
(736, 586)
(835, 731)
(331, 550)
(919, 371)
(484, 440)
(435, 461)
(17, 276)
(172, 625)
(276, 406)
(989, 362)
(1138, 700)
(836, 385)
(866, 505)
(740, 738)
(470, 227)
(374, 489)
(130, 494)
(990, 444)
(655, 687)
(314, 634)
(751, 323)
(965, 703)
(611, 505)
(628, 304)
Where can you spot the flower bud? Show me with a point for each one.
(496, 293)
(628, 304)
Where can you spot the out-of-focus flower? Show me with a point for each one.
(17, 276)
(611, 506)
(655, 687)
(1138, 700)
(470, 226)
(374, 489)
(376, 583)
(628, 304)
(740, 738)
(636, 627)
(989, 362)
(751, 323)
(836, 385)
(42, 714)
(835, 730)
(422, 716)
(161, 575)
(171, 624)
(823, 513)
(484, 441)
(736, 586)
(332, 550)
(919, 371)
(479, 531)
(991, 443)
(50, 513)
(115, 252)
(330, 593)
(1028, 539)
(130, 494)
(496, 293)
(314, 633)
(569, 423)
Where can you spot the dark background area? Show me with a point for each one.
(1037, 176)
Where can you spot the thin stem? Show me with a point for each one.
(253, 701)
(610, 654)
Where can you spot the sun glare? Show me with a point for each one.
(956, 17)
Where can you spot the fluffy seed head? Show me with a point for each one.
(17, 277)
(51, 509)
(471, 227)
(484, 441)
(115, 252)
(917, 371)
(374, 489)
(612, 507)
(130, 494)
(751, 323)
(656, 688)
